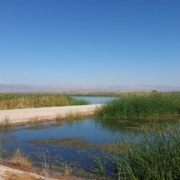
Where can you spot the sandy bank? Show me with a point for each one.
(20, 116)
(4, 173)
(11, 172)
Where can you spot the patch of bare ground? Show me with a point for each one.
(11, 171)
(9, 175)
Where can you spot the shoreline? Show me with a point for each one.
(9, 170)
(30, 115)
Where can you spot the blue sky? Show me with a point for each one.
(90, 42)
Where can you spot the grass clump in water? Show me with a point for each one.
(140, 105)
(154, 155)
(20, 160)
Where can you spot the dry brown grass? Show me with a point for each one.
(6, 122)
(19, 176)
(72, 116)
(35, 100)
(19, 160)
(34, 120)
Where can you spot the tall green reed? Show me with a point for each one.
(157, 156)
(154, 155)
(141, 105)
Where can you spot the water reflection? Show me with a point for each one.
(88, 129)
(72, 142)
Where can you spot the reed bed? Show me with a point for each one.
(155, 157)
(152, 156)
(140, 105)
(19, 101)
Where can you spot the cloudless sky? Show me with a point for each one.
(90, 42)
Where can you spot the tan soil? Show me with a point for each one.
(20, 116)
(8, 171)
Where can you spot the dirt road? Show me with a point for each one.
(18, 116)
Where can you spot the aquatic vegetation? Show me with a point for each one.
(17, 101)
(135, 125)
(140, 105)
(99, 163)
(113, 160)
(80, 142)
(156, 156)
(72, 142)
(20, 160)
(34, 120)
(116, 147)
(70, 117)
(153, 156)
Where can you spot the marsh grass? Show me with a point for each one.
(99, 163)
(79, 116)
(34, 120)
(19, 101)
(135, 125)
(71, 142)
(140, 105)
(5, 123)
(156, 156)
(20, 160)
(72, 116)
(46, 164)
(153, 155)
(68, 170)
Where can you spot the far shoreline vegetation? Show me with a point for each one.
(36, 100)
(19, 100)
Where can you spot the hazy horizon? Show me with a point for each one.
(5, 88)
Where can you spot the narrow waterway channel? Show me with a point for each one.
(95, 99)
(71, 143)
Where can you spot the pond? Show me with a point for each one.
(72, 143)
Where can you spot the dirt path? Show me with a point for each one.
(18, 116)
(9, 173)
(5, 174)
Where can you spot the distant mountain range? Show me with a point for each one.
(82, 88)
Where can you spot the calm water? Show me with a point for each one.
(93, 131)
(87, 128)
(95, 99)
